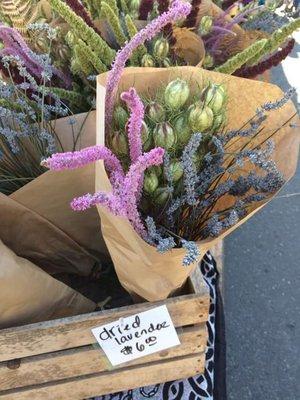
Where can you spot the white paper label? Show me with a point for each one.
(137, 336)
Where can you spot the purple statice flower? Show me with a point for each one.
(135, 122)
(190, 176)
(77, 159)
(163, 244)
(192, 252)
(178, 9)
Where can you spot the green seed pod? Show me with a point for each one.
(200, 117)
(182, 130)
(176, 94)
(218, 121)
(120, 117)
(155, 111)
(147, 61)
(176, 170)
(166, 62)
(214, 96)
(161, 195)
(164, 135)
(161, 49)
(158, 170)
(145, 132)
(150, 182)
(205, 26)
(118, 144)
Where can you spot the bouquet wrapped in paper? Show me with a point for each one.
(187, 156)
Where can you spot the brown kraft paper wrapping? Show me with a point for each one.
(29, 295)
(140, 268)
(37, 221)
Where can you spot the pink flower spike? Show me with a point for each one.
(130, 190)
(77, 159)
(178, 9)
(136, 107)
(107, 200)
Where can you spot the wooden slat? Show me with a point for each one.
(87, 360)
(104, 383)
(45, 337)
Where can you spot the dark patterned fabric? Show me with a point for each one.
(211, 384)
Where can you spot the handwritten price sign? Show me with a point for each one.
(137, 336)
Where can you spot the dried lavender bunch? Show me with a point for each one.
(26, 132)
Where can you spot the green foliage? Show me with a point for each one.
(113, 19)
(89, 57)
(124, 7)
(132, 31)
(113, 5)
(83, 31)
(276, 40)
(237, 61)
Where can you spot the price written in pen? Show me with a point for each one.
(144, 337)
(138, 335)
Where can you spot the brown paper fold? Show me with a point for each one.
(140, 268)
(38, 222)
(29, 295)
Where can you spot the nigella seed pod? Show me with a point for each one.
(182, 130)
(120, 117)
(164, 135)
(206, 25)
(155, 112)
(150, 182)
(176, 170)
(145, 132)
(147, 61)
(161, 195)
(218, 122)
(166, 62)
(214, 96)
(176, 94)
(161, 49)
(119, 144)
(200, 117)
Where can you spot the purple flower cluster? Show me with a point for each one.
(123, 200)
(135, 122)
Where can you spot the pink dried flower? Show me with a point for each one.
(107, 200)
(130, 190)
(136, 107)
(123, 199)
(178, 9)
(77, 159)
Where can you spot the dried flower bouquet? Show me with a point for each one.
(174, 191)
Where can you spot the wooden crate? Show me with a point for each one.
(58, 359)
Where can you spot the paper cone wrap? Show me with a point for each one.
(140, 268)
(29, 295)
